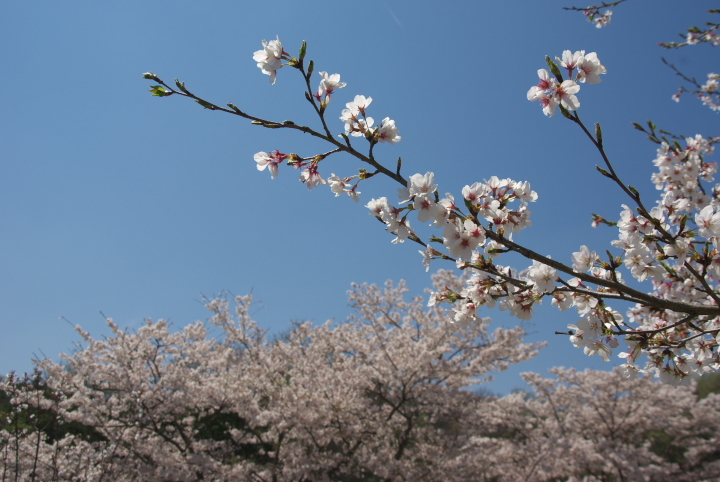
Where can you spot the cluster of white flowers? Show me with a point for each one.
(710, 92)
(552, 90)
(594, 15)
(602, 19)
(357, 124)
(659, 246)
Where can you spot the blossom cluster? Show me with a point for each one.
(552, 90)
(599, 19)
(357, 123)
(673, 246)
(658, 246)
(598, 15)
(708, 93)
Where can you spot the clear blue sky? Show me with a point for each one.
(114, 201)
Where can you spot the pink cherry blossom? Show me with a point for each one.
(271, 161)
(564, 94)
(328, 84)
(387, 131)
(270, 58)
(589, 69)
(311, 177)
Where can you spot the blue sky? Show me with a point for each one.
(117, 203)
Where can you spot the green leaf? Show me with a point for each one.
(603, 172)
(181, 86)
(303, 50)
(206, 105)
(311, 67)
(554, 68)
(598, 133)
(159, 91)
(566, 113)
(235, 108)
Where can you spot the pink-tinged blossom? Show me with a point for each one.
(311, 177)
(562, 300)
(603, 20)
(428, 210)
(339, 186)
(475, 193)
(398, 226)
(576, 338)
(546, 84)
(565, 95)
(543, 277)
(271, 161)
(377, 206)
(462, 237)
(569, 59)
(597, 347)
(387, 131)
(358, 105)
(520, 305)
(359, 127)
(590, 69)
(328, 84)
(269, 59)
(680, 249)
(708, 222)
(583, 260)
(549, 104)
(523, 192)
(419, 185)
(428, 255)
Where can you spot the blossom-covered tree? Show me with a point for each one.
(595, 425)
(381, 397)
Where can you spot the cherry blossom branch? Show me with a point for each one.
(635, 194)
(234, 110)
(492, 218)
(697, 35)
(594, 14)
(611, 174)
(708, 93)
(644, 298)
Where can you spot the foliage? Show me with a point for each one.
(381, 397)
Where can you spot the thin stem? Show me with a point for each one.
(291, 125)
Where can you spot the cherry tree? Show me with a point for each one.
(597, 426)
(383, 396)
(668, 248)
